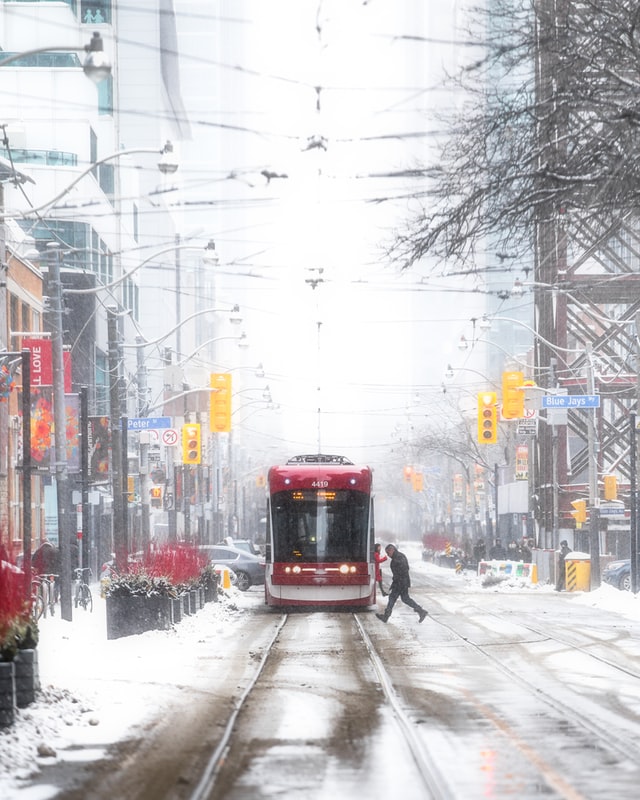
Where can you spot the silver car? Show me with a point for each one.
(248, 568)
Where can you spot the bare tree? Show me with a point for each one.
(550, 129)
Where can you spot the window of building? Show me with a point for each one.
(48, 60)
(95, 12)
(14, 314)
(105, 96)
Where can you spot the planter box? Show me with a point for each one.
(27, 677)
(128, 616)
(7, 694)
(176, 609)
(186, 604)
(193, 601)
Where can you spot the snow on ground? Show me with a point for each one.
(88, 696)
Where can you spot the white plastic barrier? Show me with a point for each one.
(515, 569)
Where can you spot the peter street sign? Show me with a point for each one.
(148, 423)
(573, 401)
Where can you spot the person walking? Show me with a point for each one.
(379, 558)
(562, 573)
(400, 584)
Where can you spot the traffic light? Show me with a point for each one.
(220, 402)
(487, 417)
(191, 445)
(408, 472)
(580, 513)
(512, 395)
(155, 496)
(610, 487)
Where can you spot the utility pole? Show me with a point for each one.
(144, 446)
(60, 430)
(594, 500)
(119, 530)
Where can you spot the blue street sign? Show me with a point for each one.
(571, 401)
(148, 423)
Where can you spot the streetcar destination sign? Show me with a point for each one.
(148, 423)
(571, 401)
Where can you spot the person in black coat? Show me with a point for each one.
(400, 584)
(562, 573)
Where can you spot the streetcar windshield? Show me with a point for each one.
(320, 526)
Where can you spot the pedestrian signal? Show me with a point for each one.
(191, 445)
(512, 395)
(580, 513)
(155, 496)
(487, 418)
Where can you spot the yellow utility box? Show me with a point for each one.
(577, 572)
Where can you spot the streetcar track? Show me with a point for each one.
(429, 773)
(605, 735)
(216, 761)
(544, 634)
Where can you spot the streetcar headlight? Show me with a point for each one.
(287, 570)
(352, 569)
(344, 568)
(352, 481)
(296, 570)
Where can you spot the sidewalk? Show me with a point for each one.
(94, 691)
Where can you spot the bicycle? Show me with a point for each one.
(43, 595)
(82, 594)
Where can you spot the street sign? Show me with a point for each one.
(572, 401)
(612, 509)
(148, 423)
(527, 427)
(170, 437)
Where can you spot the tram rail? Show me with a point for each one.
(434, 783)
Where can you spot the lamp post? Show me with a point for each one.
(96, 66)
(167, 166)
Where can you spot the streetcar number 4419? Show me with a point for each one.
(320, 484)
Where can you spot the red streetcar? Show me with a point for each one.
(320, 535)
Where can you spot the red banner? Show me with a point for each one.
(41, 369)
(42, 363)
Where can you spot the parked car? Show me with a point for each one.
(618, 574)
(242, 544)
(245, 544)
(249, 568)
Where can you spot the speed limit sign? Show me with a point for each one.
(169, 437)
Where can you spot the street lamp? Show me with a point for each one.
(167, 165)
(96, 66)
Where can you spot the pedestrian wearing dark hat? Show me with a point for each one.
(400, 584)
(564, 551)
